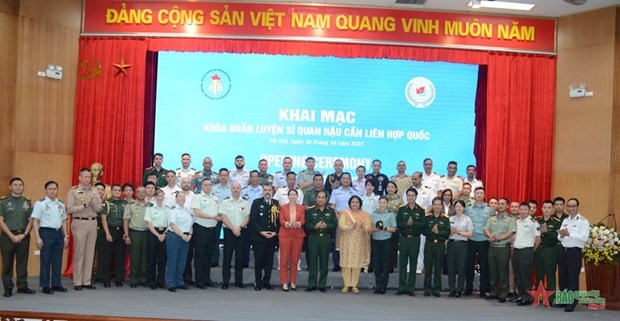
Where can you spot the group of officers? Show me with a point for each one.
(432, 215)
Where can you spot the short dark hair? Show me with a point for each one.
(149, 183)
(310, 158)
(393, 183)
(186, 154)
(223, 169)
(533, 201)
(345, 173)
(559, 199)
(411, 189)
(468, 166)
(318, 175)
(48, 183)
(254, 171)
(383, 197)
(363, 167)
(460, 202)
(466, 184)
(158, 154)
(370, 182)
(100, 184)
(452, 163)
(84, 169)
(547, 202)
(14, 179)
(526, 204)
(292, 190)
(356, 197)
(506, 199)
(128, 185)
(376, 160)
(168, 172)
(153, 174)
(480, 188)
(573, 199)
(427, 159)
(291, 173)
(239, 156)
(116, 185)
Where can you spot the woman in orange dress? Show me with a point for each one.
(355, 227)
(291, 237)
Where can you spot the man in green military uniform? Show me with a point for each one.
(437, 231)
(114, 247)
(100, 244)
(545, 258)
(135, 233)
(410, 223)
(265, 178)
(159, 171)
(15, 222)
(499, 231)
(320, 223)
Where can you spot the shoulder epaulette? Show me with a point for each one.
(26, 198)
(402, 206)
(428, 214)
(442, 176)
(148, 168)
(227, 198)
(41, 200)
(74, 187)
(556, 218)
(312, 207)
(193, 169)
(444, 215)
(178, 169)
(59, 200)
(173, 207)
(3, 197)
(434, 173)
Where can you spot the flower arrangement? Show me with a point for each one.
(603, 245)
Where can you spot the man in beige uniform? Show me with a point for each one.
(83, 203)
(402, 180)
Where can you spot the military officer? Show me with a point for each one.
(206, 172)
(305, 177)
(410, 223)
(472, 180)
(50, 231)
(320, 222)
(437, 231)
(235, 212)
(424, 199)
(135, 233)
(402, 180)
(360, 182)
(430, 178)
(250, 193)
(380, 180)
(282, 193)
(171, 188)
(15, 222)
(545, 257)
(114, 248)
(332, 181)
(156, 218)
(83, 203)
(156, 169)
(100, 243)
(310, 198)
(526, 242)
(185, 170)
(451, 180)
(222, 192)
(240, 174)
(280, 177)
(265, 178)
(264, 215)
(499, 230)
(205, 208)
(478, 245)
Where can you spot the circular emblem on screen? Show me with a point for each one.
(216, 84)
(420, 92)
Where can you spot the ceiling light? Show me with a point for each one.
(500, 5)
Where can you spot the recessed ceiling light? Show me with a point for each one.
(501, 5)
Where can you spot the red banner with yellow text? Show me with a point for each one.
(318, 23)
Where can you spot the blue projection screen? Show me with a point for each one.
(272, 106)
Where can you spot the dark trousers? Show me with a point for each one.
(457, 259)
(480, 249)
(499, 261)
(263, 260)
(100, 247)
(569, 268)
(522, 260)
(394, 250)
(381, 251)
(203, 248)
(137, 261)
(233, 244)
(156, 259)
(247, 245)
(215, 256)
(434, 253)
(14, 254)
(335, 253)
(176, 252)
(188, 274)
(318, 254)
(409, 251)
(545, 260)
(51, 256)
(113, 251)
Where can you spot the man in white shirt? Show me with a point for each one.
(526, 242)
(185, 170)
(451, 180)
(431, 179)
(573, 235)
(282, 193)
(171, 189)
(472, 180)
(239, 174)
(280, 176)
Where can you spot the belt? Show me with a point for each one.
(457, 241)
(208, 228)
(185, 233)
(118, 228)
(525, 248)
(50, 228)
(160, 229)
(18, 231)
(134, 230)
(572, 248)
(84, 218)
(321, 234)
(409, 236)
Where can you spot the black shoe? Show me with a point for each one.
(427, 294)
(106, 284)
(172, 289)
(382, 291)
(90, 287)
(47, 291)
(411, 293)
(323, 290)
(211, 284)
(190, 282)
(391, 269)
(501, 300)
(26, 291)
(569, 308)
(310, 289)
(370, 270)
(377, 291)
(8, 293)
(201, 286)
(559, 305)
(458, 294)
(161, 286)
(437, 295)
(399, 292)
(224, 286)
(268, 286)
(293, 288)
(77, 288)
(240, 285)
(284, 287)
(516, 299)
(119, 284)
(524, 303)
(144, 284)
(214, 265)
(467, 293)
(183, 287)
(451, 294)
(488, 296)
(257, 288)
(59, 289)
(484, 295)
(133, 285)
(153, 287)
(336, 268)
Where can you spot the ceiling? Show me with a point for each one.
(543, 8)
